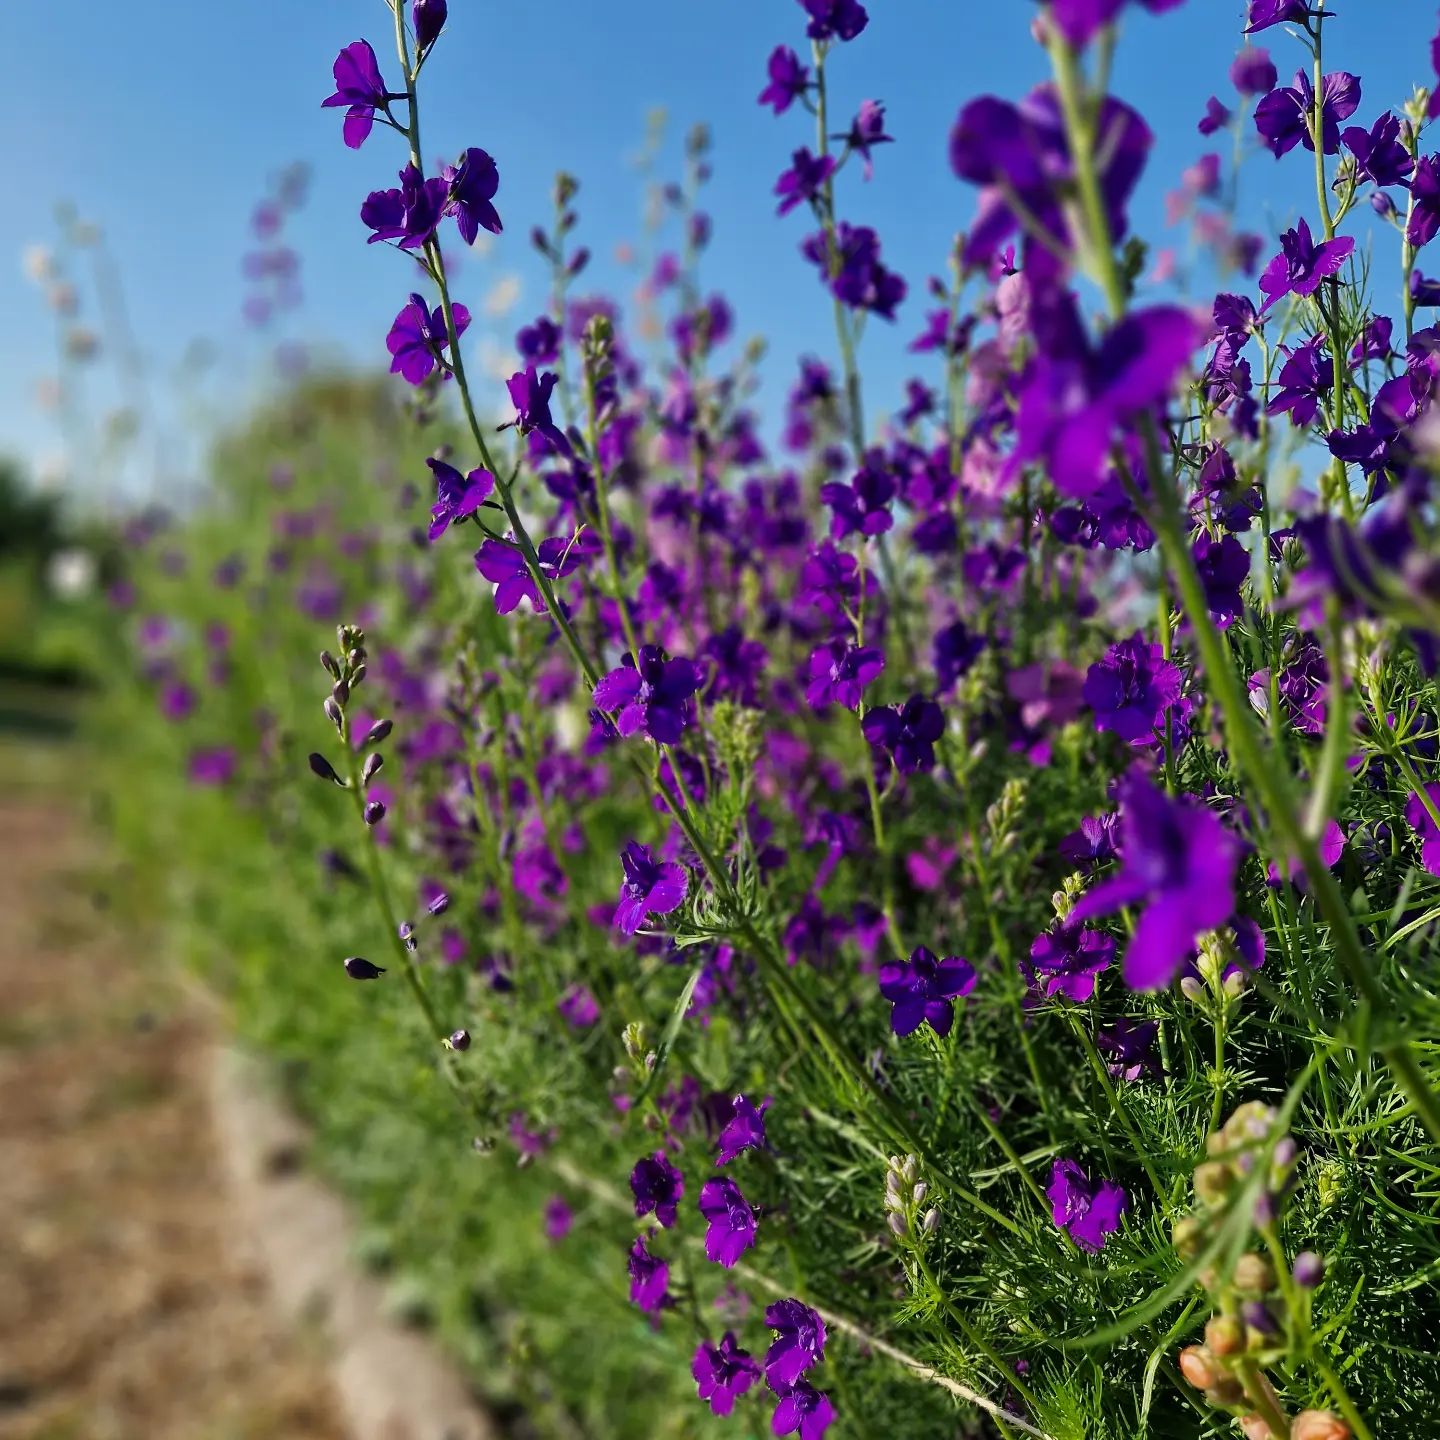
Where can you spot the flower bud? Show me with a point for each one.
(1308, 1269)
(377, 732)
(1253, 1427)
(1198, 1367)
(1188, 1236)
(1224, 1336)
(894, 1202)
(898, 1224)
(931, 1221)
(1213, 1181)
(340, 691)
(331, 664)
(357, 675)
(373, 763)
(1258, 1318)
(332, 712)
(323, 768)
(440, 904)
(1254, 1274)
(918, 1194)
(460, 1040)
(1319, 1425)
(406, 932)
(374, 812)
(358, 968)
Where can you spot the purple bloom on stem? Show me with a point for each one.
(579, 1007)
(1093, 843)
(650, 887)
(1265, 13)
(539, 344)
(732, 1221)
(789, 79)
(956, 650)
(471, 184)
(835, 19)
(1380, 156)
(1216, 117)
(854, 271)
(1304, 381)
(530, 395)
(1302, 264)
(1178, 864)
(1079, 20)
(504, 565)
(1129, 1046)
(1253, 72)
(1283, 116)
(723, 1372)
(1131, 688)
(804, 179)
(799, 1342)
(1224, 565)
(418, 339)
(804, 1410)
(1066, 958)
(863, 506)
(651, 697)
(1424, 219)
(867, 129)
(559, 1217)
(745, 1130)
(1086, 1211)
(840, 672)
(649, 1279)
(657, 1187)
(409, 214)
(456, 496)
(213, 765)
(1419, 819)
(360, 86)
(428, 18)
(907, 731)
(923, 990)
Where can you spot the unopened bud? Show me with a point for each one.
(1258, 1318)
(1213, 1181)
(1198, 1367)
(323, 768)
(1254, 1274)
(377, 732)
(1308, 1269)
(373, 764)
(340, 690)
(931, 1221)
(460, 1040)
(374, 812)
(1319, 1425)
(1188, 1236)
(357, 675)
(331, 664)
(1253, 1427)
(332, 712)
(440, 904)
(898, 1224)
(919, 1193)
(1224, 1336)
(406, 932)
(358, 968)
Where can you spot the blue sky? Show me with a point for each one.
(164, 122)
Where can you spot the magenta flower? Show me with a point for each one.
(558, 1218)
(457, 496)
(504, 565)
(866, 130)
(1131, 687)
(651, 697)
(1301, 264)
(1087, 1211)
(923, 990)
(650, 887)
(840, 672)
(1216, 117)
(789, 80)
(1419, 819)
(408, 214)
(732, 1222)
(579, 1007)
(802, 1410)
(804, 180)
(1066, 959)
(799, 1342)
(745, 1130)
(657, 1187)
(649, 1279)
(360, 86)
(418, 339)
(1253, 72)
(853, 269)
(470, 187)
(1283, 116)
(1304, 381)
(213, 765)
(863, 506)
(907, 731)
(1178, 865)
(723, 1372)
(530, 395)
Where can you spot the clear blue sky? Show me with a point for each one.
(163, 121)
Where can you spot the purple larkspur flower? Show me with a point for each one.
(866, 130)
(804, 180)
(428, 19)
(744, 1130)
(1080, 20)
(732, 1225)
(408, 214)
(1178, 863)
(1424, 221)
(1128, 1046)
(1131, 687)
(650, 887)
(558, 1218)
(178, 700)
(853, 270)
(470, 186)
(579, 1007)
(213, 765)
(957, 648)
(504, 566)
(1380, 155)
(923, 990)
(649, 1278)
(650, 697)
(802, 1410)
(1283, 116)
(1302, 264)
(799, 1342)
(418, 339)
(1265, 13)
(1253, 72)
(834, 19)
(789, 79)
(539, 344)
(1224, 565)
(530, 394)
(1093, 843)
(657, 1187)
(361, 88)
(1065, 959)
(723, 1372)
(1216, 117)
(863, 506)
(1087, 1211)
(1304, 381)
(907, 731)
(840, 673)
(457, 496)
(1419, 819)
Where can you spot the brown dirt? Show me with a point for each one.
(123, 1312)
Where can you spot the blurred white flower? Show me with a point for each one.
(71, 573)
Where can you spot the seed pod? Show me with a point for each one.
(1319, 1425)
(377, 732)
(323, 768)
(374, 762)
(1198, 1367)
(460, 1040)
(374, 812)
(358, 968)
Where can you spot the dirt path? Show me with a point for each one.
(123, 1314)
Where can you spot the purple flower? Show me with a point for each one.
(1419, 819)
(923, 990)
(1424, 219)
(1304, 380)
(789, 79)
(1224, 565)
(651, 697)
(579, 1007)
(907, 731)
(804, 180)
(802, 1409)
(853, 269)
(867, 129)
(1301, 264)
(1131, 687)
(732, 1221)
(657, 1187)
(1129, 1046)
(723, 1372)
(1079, 20)
(1265, 13)
(539, 344)
(456, 496)
(530, 395)
(418, 339)
(1093, 843)
(504, 565)
(840, 673)
(1066, 958)
(1379, 154)
(1253, 72)
(799, 1342)
(863, 506)
(835, 19)
(409, 214)
(956, 650)
(559, 1218)
(1283, 116)
(428, 18)
(649, 1279)
(360, 86)
(471, 184)
(213, 765)
(650, 887)
(745, 1130)
(1216, 117)
(1178, 863)
(1086, 1212)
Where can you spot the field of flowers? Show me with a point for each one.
(918, 928)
